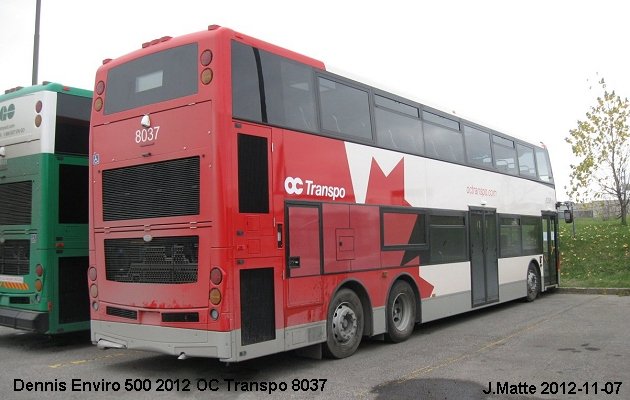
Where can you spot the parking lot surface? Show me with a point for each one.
(562, 346)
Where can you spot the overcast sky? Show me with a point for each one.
(521, 67)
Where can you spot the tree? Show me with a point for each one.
(601, 143)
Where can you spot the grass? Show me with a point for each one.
(598, 255)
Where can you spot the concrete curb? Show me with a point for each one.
(611, 291)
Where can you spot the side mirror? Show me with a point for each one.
(568, 216)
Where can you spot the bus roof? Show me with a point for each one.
(45, 86)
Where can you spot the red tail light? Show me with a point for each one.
(100, 87)
(216, 276)
(206, 58)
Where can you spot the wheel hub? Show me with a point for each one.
(344, 323)
(531, 282)
(400, 313)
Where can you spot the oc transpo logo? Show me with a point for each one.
(293, 185)
(7, 112)
(297, 185)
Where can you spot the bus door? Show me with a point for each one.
(304, 265)
(550, 249)
(304, 254)
(258, 263)
(483, 257)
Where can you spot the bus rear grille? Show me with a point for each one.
(162, 189)
(121, 312)
(15, 257)
(180, 317)
(162, 260)
(19, 300)
(15, 203)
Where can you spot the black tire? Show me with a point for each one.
(344, 327)
(401, 312)
(533, 283)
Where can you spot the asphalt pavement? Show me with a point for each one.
(562, 346)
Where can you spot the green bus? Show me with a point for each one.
(44, 208)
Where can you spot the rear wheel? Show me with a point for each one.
(345, 324)
(533, 283)
(401, 312)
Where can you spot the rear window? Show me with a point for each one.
(161, 76)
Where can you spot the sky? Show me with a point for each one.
(525, 68)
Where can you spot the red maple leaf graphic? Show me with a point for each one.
(388, 189)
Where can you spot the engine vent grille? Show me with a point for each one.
(121, 312)
(162, 189)
(15, 257)
(15, 203)
(19, 300)
(180, 317)
(162, 260)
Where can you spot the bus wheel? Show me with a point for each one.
(401, 312)
(344, 325)
(533, 283)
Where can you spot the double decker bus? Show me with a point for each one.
(44, 208)
(246, 201)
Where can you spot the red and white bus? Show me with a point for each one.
(245, 201)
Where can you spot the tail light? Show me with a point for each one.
(216, 276)
(215, 296)
(38, 109)
(205, 59)
(39, 270)
(100, 88)
(206, 76)
(92, 273)
(98, 104)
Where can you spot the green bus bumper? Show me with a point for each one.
(24, 319)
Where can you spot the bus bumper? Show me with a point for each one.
(24, 319)
(161, 339)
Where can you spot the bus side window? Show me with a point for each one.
(289, 94)
(444, 144)
(504, 155)
(544, 168)
(345, 110)
(478, 149)
(399, 132)
(245, 86)
(526, 165)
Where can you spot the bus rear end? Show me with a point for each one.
(156, 277)
(43, 208)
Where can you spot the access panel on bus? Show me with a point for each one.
(152, 167)
(151, 274)
(256, 236)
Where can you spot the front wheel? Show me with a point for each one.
(401, 312)
(533, 283)
(344, 325)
